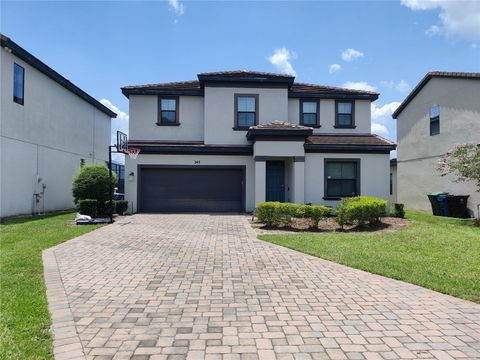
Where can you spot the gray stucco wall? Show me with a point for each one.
(418, 152)
(219, 111)
(43, 141)
(374, 176)
(327, 116)
(143, 117)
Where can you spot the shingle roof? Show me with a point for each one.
(237, 73)
(195, 87)
(426, 78)
(23, 54)
(278, 129)
(309, 88)
(349, 139)
(177, 85)
(280, 125)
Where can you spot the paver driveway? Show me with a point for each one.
(201, 286)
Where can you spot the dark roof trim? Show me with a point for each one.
(246, 84)
(295, 94)
(194, 92)
(171, 149)
(344, 148)
(245, 76)
(426, 79)
(24, 55)
(253, 134)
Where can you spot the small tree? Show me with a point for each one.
(463, 162)
(92, 183)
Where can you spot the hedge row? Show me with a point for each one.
(361, 210)
(277, 214)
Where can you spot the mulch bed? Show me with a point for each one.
(388, 224)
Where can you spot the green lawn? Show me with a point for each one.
(438, 253)
(24, 317)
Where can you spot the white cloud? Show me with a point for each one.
(281, 60)
(379, 129)
(351, 54)
(382, 122)
(388, 83)
(359, 85)
(401, 86)
(334, 68)
(457, 18)
(120, 123)
(177, 6)
(433, 30)
(385, 110)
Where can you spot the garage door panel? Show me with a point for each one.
(191, 189)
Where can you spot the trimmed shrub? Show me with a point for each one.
(92, 182)
(399, 210)
(313, 212)
(361, 210)
(276, 214)
(272, 213)
(106, 209)
(88, 207)
(121, 206)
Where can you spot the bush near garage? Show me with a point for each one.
(121, 206)
(360, 210)
(88, 207)
(92, 182)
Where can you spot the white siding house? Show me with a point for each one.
(230, 140)
(48, 128)
(443, 110)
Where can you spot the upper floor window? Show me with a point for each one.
(434, 120)
(246, 110)
(344, 114)
(168, 111)
(342, 178)
(18, 83)
(309, 113)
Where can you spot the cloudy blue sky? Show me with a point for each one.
(387, 46)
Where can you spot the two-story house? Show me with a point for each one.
(230, 140)
(48, 128)
(441, 111)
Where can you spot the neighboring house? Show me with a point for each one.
(49, 128)
(393, 181)
(230, 140)
(442, 110)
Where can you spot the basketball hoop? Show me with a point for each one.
(133, 152)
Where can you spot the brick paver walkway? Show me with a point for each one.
(201, 286)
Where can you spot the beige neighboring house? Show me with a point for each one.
(441, 111)
(393, 181)
(49, 127)
(229, 140)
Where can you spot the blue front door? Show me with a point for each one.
(275, 181)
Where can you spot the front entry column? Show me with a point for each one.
(299, 180)
(260, 176)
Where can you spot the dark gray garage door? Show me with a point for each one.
(186, 189)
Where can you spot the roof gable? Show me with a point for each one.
(426, 79)
(24, 55)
